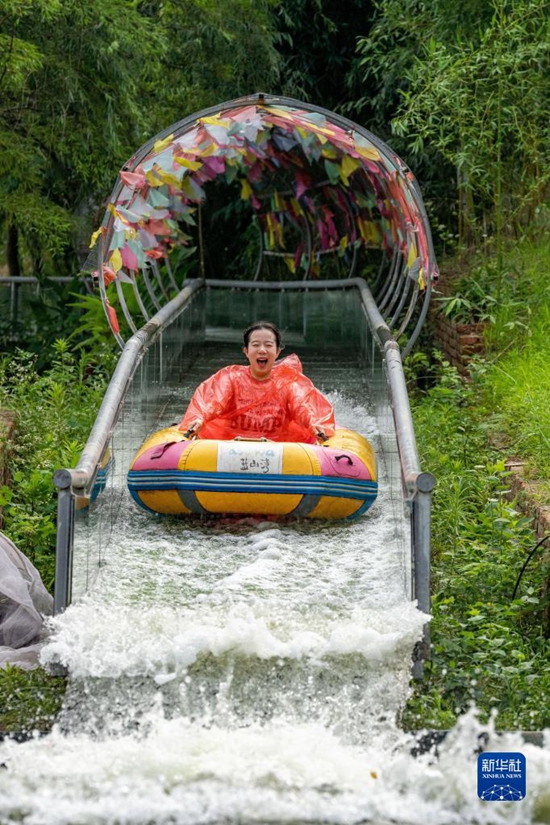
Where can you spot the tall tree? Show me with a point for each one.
(317, 44)
(218, 51)
(484, 104)
(72, 74)
(83, 83)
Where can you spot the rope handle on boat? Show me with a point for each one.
(243, 438)
(161, 449)
(159, 452)
(186, 434)
(338, 457)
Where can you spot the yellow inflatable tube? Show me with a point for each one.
(176, 475)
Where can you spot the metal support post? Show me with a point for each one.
(421, 523)
(64, 545)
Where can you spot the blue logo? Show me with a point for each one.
(501, 777)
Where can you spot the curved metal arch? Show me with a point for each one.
(396, 290)
(150, 289)
(171, 274)
(158, 277)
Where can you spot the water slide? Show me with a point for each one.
(243, 669)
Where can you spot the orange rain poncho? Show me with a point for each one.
(285, 407)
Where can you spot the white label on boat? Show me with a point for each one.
(245, 457)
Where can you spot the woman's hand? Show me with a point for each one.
(194, 426)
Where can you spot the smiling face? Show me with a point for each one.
(262, 351)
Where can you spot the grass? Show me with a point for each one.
(514, 376)
(488, 648)
(514, 381)
(55, 410)
(516, 390)
(30, 700)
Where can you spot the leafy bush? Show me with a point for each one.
(55, 411)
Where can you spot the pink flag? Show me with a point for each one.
(133, 179)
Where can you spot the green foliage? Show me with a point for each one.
(317, 48)
(218, 51)
(517, 390)
(513, 381)
(465, 88)
(71, 111)
(55, 411)
(92, 332)
(487, 648)
(524, 294)
(469, 303)
(83, 83)
(482, 102)
(44, 311)
(30, 700)
(508, 302)
(386, 57)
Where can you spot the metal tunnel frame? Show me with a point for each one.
(417, 485)
(402, 303)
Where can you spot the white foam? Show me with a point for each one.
(90, 643)
(186, 774)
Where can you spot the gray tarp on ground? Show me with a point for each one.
(24, 601)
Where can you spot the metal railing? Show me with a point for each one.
(76, 482)
(417, 485)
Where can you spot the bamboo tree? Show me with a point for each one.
(500, 21)
(83, 83)
(480, 99)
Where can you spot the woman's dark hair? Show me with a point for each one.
(263, 325)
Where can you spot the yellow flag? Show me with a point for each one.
(329, 151)
(95, 236)
(412, 256)
(270, 232)
(189, 164)
(215, 120)
(349, 165)
(162, 144)
(116, 260)
(211, 149)
(295, 203)
(367, 152)
(157, 177)
(290, 262)
(246, 189)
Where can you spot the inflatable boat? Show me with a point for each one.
(177, 475)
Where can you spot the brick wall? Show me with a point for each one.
(525, 494)
(459, 342)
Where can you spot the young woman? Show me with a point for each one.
(267, 399)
